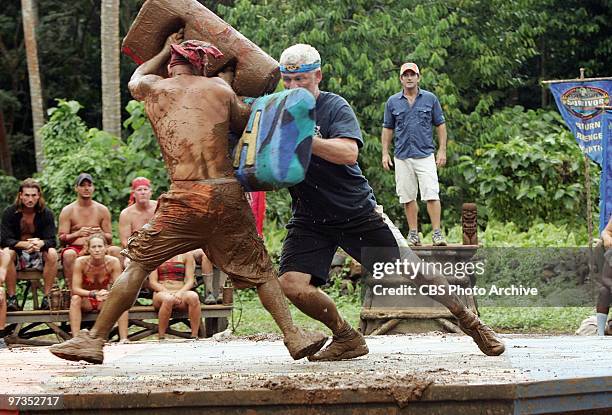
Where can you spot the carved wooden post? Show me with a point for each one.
(469, 224)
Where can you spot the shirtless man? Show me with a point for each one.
(81, 219)
(192, 115)
(140, 210)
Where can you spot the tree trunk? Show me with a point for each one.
(543, 66)
(5, 150)
(111, 94)
(29, 15)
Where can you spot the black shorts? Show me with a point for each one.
(310, 248)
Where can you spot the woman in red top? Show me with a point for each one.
(172, 282)
(92, 276)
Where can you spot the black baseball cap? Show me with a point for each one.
(82, 177)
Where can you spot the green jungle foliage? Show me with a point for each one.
(525, 167)
(480, 58)
(476, 57)
(71, 148)
(9, 186)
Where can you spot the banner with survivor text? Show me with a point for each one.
(581, 105)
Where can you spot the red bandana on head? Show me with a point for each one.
(194, 53)
(138, 181)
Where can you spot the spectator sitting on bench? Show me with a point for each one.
(28, 231)
(93, 274)
(139, 211)
(172, 282)
(81, 219)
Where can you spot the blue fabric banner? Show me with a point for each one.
(580, 104)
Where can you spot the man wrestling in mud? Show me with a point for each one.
(191, 116)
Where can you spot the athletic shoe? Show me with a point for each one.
(438, 238)
(303, 343)
(210, 299)
(44, 305)
(413, 238)
(12, 304)
(81, 347)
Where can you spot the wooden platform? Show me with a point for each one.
(406, 374)
(396, 314)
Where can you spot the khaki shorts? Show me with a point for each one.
(414, 174)
(216, 218)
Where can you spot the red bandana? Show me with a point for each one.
(194, 53)
(138, 181)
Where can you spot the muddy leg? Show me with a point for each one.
(311, 300)
(347, 342)
(485, 338)
(299, 342)
(122, 296)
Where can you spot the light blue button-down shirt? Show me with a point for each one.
(413, 125)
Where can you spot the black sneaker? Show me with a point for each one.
(44, 305)
(210, 299)
(12, 304)
(145, 293)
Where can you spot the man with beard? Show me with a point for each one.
(28, 231)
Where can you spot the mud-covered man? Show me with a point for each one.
(335, 207)
(191, 115)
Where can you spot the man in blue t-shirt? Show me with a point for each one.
(411, 114)
(335, 207)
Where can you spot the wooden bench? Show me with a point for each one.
(28, 322)
(32, 278)
(214, 319)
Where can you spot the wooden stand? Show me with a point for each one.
(386, 314)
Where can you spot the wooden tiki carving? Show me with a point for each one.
(469, 224)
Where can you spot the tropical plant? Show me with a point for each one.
(71, 148)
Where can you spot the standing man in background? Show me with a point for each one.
(411, 114)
